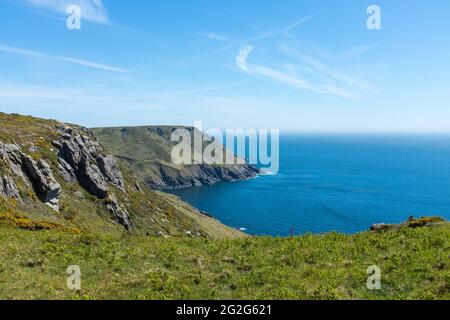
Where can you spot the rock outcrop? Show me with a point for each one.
(8, 188)
(411, 223)
(147, 151)
(48, 166)
(118, 212)
(10, 154)
(198, 175)
(110, 170)
(46, 187)
(38, 173)
(81, 159)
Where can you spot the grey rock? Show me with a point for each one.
(90, 178)
(380, 227)
(71, 153)
(79, 195)
(81, 159)
(110, 170)
(8, 188)
(66, 171)
(57, 144)
(66, 136)
(11, 148)
(163, 234)
(199, 175)
(118, 212)
(46, 187)
(11, 155)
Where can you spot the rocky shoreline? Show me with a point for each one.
(147, 150)
(200, 175)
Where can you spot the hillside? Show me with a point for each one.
(147, 150)
(64, 200)
(414, 263)
(55, 175)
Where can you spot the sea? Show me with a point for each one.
(342, 183)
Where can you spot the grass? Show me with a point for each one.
(414, 263)
(152, 213)
(37, 245)
(19, 221)
(147, 150)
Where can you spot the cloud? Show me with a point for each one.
(19, 51)
(241, 61)
(321, 69)
(91, 10)
(291, 79)
(215, 36)
(92, 64)
(36, 54)
(284, 31)
(271, 34)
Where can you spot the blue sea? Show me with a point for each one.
(336, 183)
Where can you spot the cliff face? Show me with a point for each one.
(147, 150)
(60, 173)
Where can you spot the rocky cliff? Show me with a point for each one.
(50, 171)
(147, 150)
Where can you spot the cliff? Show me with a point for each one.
(147, 150)
(58, 175)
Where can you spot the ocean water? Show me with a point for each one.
(336, 183)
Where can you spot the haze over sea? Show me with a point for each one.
(338, 183)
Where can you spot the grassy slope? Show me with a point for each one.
(151, 212)
(145, 149)
(415, 264)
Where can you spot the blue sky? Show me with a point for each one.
(296, 65)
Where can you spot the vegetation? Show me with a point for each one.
(19, 221)
(175, 252)
(414, 263)
(148, 151)
(152, 213)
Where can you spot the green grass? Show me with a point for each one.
(151, 212)
(414, 263)
(147, 150)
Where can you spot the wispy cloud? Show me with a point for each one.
(215, 36)
(36, 54)
(289, 78)
(242, 63)
(310, 75)
(263, 36)
(91, 10)
(321, 69)
(283, 31)
(92, 64)
(19, 51)
(266, 35)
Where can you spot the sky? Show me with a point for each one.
(294, 65)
